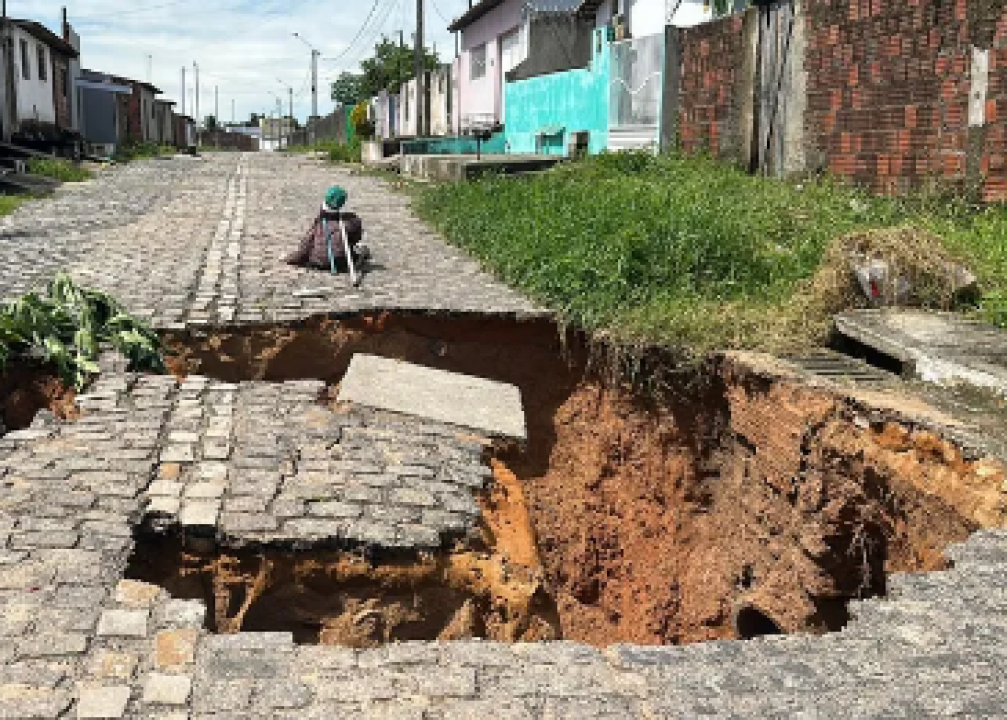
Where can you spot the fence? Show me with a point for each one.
(896, 96)
(634, 107)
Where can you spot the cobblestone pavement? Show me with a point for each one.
(80, 641)
(189, 243)
(192, 243)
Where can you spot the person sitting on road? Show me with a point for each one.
(322, 245)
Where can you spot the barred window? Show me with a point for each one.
(477, 62)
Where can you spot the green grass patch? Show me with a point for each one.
(687, 252)
(59, 169)
(141, 151)
(10, 203)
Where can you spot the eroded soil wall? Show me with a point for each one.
(722, 500)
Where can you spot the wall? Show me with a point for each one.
(716, 75)
(60, 69)
(888, 91)
(482, 96)
(407, 110)
(896, 97)
(577, 100)
(34, 96)
(646, 17)
(439, 82)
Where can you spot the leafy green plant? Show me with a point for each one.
(68, 326)
(141, 150)
(345, 152)
(58, 169)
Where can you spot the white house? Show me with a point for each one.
(40, 79)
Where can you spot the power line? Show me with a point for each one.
(437, 9)
(360, 32)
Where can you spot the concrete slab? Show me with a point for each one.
(941, 348)
(490, 407)
(463, 167)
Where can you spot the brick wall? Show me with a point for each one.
(712, 79)
(886, 87)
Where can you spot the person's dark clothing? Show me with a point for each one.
(314, 249)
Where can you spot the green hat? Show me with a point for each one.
(335, 198)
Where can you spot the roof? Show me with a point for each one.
(479, 10)
(164, 101)
(41, 32)
(137, 83)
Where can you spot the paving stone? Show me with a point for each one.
(160, 689)
(102, 701)
(123, 623)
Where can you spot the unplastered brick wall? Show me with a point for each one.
(897, 96)
(713, 79)
(888, 91)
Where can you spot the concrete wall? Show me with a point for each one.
(407, 110)
(74, 66)
(34, 95)
(577, 100)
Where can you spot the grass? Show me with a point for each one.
(59, 169)
(338, 152)
(142, 151)
(685, 252)
(10, 203)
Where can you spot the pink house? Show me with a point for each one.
(491, 44)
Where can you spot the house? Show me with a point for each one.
(164, 123)
(101, 116)
(37, 97)
(137, 113)
(184, 132)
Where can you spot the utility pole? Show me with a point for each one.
(183, 89)
(150, 68)
(420, 111)
(234, 118)
(195, 70)
(216, 115)
(290, 128)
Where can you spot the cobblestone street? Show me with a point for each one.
(189, 243)
(198, 244)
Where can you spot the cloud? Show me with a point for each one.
(244, 48)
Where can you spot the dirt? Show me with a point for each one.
(731, 499)
(27, 387)
(746, 505)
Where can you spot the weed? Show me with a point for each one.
(684, 251)
(58, 169)
(68, 326)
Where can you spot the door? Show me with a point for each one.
(776, 32)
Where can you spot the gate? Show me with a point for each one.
(775, 79)
(635, 88)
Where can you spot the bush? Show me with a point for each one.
(128, 152)
(58, 169)
(345, 152)
(363, 127)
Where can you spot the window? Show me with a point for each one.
(41, 63)
(25, 61)
(65, 79)
(477, 62)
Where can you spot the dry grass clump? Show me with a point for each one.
(936, 280)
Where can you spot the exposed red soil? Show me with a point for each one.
(658, 524)
(739, 499)
(27, 387)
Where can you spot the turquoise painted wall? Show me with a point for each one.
(576, 100)
(453, 146)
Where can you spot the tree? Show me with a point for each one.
(389, 67)
(210, 123)
(346, 89)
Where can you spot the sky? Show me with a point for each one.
(245, 48)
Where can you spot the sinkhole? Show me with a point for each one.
(659, 503)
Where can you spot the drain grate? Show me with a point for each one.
(834, 365)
